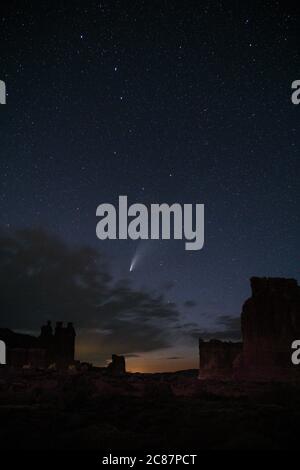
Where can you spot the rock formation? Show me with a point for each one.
(40, 352)
(117, 365)
(270, 323)
(218, 358)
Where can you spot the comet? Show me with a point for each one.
(140, 253)
(133, 262)
(131, 267)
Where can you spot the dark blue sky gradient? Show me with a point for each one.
(164, 102)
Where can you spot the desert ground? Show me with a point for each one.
(49, 410)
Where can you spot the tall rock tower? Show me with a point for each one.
(270, 323)
(64, 344)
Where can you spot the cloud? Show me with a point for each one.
(190, 303)
(174, 358)
(227, 328)
(167, 286)
(43, 278)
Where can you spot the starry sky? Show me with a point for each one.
(166, 101)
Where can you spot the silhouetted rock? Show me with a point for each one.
(40, 352)
(217, 358)
(270, 323)
(117, 366)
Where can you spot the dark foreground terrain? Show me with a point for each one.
(88, 411)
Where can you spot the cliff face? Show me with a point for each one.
(218, 358)
(48, 348)
(270, 323)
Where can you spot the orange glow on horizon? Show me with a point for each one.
(152, 365)
(151, 362)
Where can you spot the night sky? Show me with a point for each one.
(166, 101)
